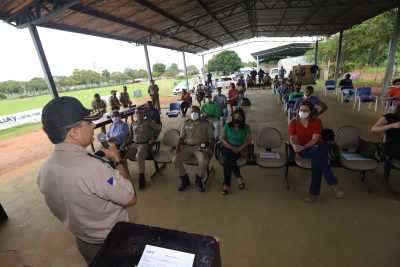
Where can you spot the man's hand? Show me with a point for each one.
(298, 148)
(112, 152)
(152, 141)
(396, 125)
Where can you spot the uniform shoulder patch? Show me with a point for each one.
(111, 181)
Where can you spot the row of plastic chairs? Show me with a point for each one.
(270, 151)
(359, 95)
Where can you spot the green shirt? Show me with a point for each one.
(211, 109)
(295, 95)
(236, 137)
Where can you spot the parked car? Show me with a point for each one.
(273, 72)
(180, 86)
(223, 81)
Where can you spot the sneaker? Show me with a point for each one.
(311, 199)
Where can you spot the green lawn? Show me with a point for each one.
(85, 96)
(18, 130)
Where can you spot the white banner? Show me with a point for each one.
(12, 120)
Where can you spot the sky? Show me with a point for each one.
(67, 51)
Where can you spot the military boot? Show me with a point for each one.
(142, 181)
(199, 184)
(184, 183)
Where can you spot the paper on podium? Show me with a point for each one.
(270, 155)
(162, 257)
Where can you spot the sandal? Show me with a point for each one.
(225, 190)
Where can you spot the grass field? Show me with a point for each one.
(85, 96)
(18, 130)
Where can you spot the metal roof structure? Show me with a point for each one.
(289, 50)
(192, 25)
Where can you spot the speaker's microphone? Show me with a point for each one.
(102, 137)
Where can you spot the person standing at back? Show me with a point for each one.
(212, 112)
(209, 79)
(84, 192)
(282, 73)
(114, 102)
(124, 98)
(222, 102)
(98, 104)
(154, 94)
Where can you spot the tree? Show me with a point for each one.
(130, 73)
(142, 73)
(172, 70)
(119, 77)
(251, 64)
(226, 61)
(192, 70)
(364, 44)
(106, 75)
(158, 69)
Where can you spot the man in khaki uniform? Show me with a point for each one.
(153, 92)
(114, 102)
(85, 193)
(144, 135)
(99, 104)
(124, 98)
(197, 139)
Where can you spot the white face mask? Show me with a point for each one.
(115, 119)
(195, 116)
(304, 115)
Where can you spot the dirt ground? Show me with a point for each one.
(21, 151)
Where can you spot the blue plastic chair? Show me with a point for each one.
(364, 95)
(330, 85)
(174, 110)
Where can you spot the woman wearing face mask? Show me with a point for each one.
(305, 137)
(235, 140)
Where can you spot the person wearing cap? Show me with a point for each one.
(98, 104)
(114, 102)
(222, 102)
(196, 140)
(119, 130)
(124, 98)
(153, 93)
(84, 192)
(144, 135)
(212, 112)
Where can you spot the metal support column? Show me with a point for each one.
(392, 54)
(258, 63)
(338, 58)
(203, 73)
(185, 68)
(316, 53)
(43, 61)
(146, 55)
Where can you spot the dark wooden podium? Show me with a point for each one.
(3, 214)
(126, 242)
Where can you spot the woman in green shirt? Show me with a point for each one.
(235, 140)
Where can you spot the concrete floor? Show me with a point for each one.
(264, 225)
